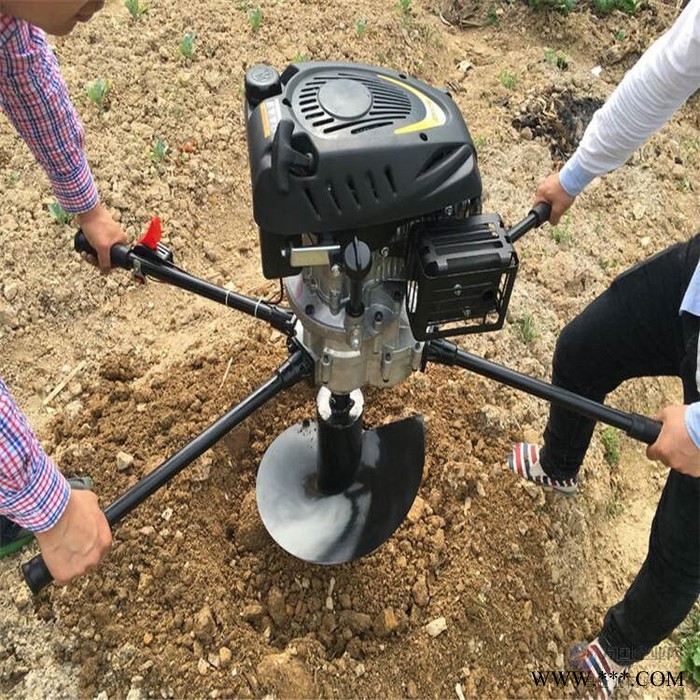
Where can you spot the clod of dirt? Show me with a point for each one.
(286, 675)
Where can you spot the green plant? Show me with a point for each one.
(563, 6)
(59, 214)
(491, 16)
(361, 27)
(480, 141)
(136, 9)
(610, 438)
(620, 35)
(98, 90)
(13, 178)
(527, 328)
(404, 6)
(684, 184)
(255, 18)
(614, 505)
(556, 58)
(561, 233)
(159, 150)
(507, 79)
(607, 6)
(186, 46)
(690, 646)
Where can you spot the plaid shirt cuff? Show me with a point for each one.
(33, 493)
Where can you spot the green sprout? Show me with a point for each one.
(556, 58)
(690, 646)
(684, 185)
(97, 91)
(528, 332)
(136, 9)
(186, 47)
(611, 445)
(561, 233)
(59, 214)
(508, 80)
(405, 6)
(620, 35)
(562, 6)
(492, 17)
(361, 27)
(159, 150)
(13, 178)
(255, 18)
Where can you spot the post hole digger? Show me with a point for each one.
(367, 195)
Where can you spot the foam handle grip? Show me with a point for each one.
(119, 254)
(542, 210)
(644, 429)
(36, 574)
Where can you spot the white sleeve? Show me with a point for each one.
(660, 82)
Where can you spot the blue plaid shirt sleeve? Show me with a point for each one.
(34, 96)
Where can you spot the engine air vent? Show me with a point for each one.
(352, 102)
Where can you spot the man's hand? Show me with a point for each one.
(551, 191)
(102, 232)
(79, 541)
(674, 447)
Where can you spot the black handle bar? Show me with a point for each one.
(537, 216)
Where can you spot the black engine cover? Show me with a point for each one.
(336, 147)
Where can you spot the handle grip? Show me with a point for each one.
(644, 429)
(537, 216)
(119, 254)
(36, 574)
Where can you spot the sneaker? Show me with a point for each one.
(13, 537)
(525, 461)
(604, 673)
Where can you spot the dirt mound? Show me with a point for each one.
(487, 580)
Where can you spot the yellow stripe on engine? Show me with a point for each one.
(434, 115)
(265, 120)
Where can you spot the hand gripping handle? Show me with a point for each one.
(119, 254)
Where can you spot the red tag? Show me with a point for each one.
(152, 237)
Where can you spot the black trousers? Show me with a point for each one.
(634, 330)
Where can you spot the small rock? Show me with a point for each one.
(527, 610)
(204, 625)
(526, 133)
(411, 689)
(420, 592)
(253, 612)
(277, 606)
(10, 290)
(124, 461)
(202, 666)
(286, 675)
(167, 514)
(480, 489)
(385, 623)
(417, 510)
(436, 626)
(225, 656)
